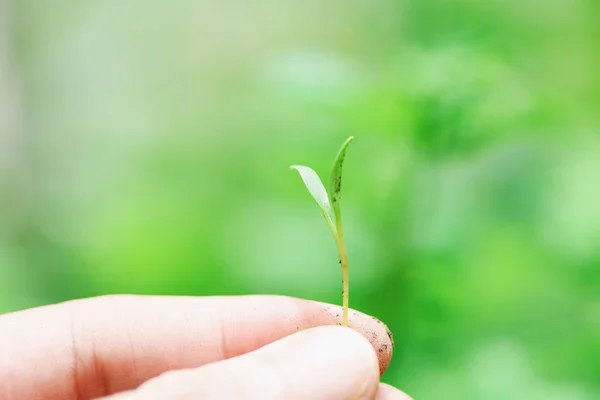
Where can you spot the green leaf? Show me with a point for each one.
(335, 181)
(317, 190)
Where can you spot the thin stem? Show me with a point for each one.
(345, 291)
(341, 244)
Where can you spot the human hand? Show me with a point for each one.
(249, 347)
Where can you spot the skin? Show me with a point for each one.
(247, 347)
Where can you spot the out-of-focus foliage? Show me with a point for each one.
(145, 145)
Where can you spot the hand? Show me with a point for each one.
(250, 347)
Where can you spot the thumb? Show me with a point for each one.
(325, 363)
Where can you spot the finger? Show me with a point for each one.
(327, 363)
(90, 348)
(387, 392)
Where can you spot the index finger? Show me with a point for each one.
(95, 347)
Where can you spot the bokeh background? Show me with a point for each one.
(145, 145)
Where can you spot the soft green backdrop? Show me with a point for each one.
(145, 149)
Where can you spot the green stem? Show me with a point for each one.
(341, 245)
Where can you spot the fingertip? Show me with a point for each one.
(334, 341)
(375, 331)
(344, 340)
(332, 358)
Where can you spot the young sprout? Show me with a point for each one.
(328, 200)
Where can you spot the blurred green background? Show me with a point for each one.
(144, 148)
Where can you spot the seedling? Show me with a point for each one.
(328, 200)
